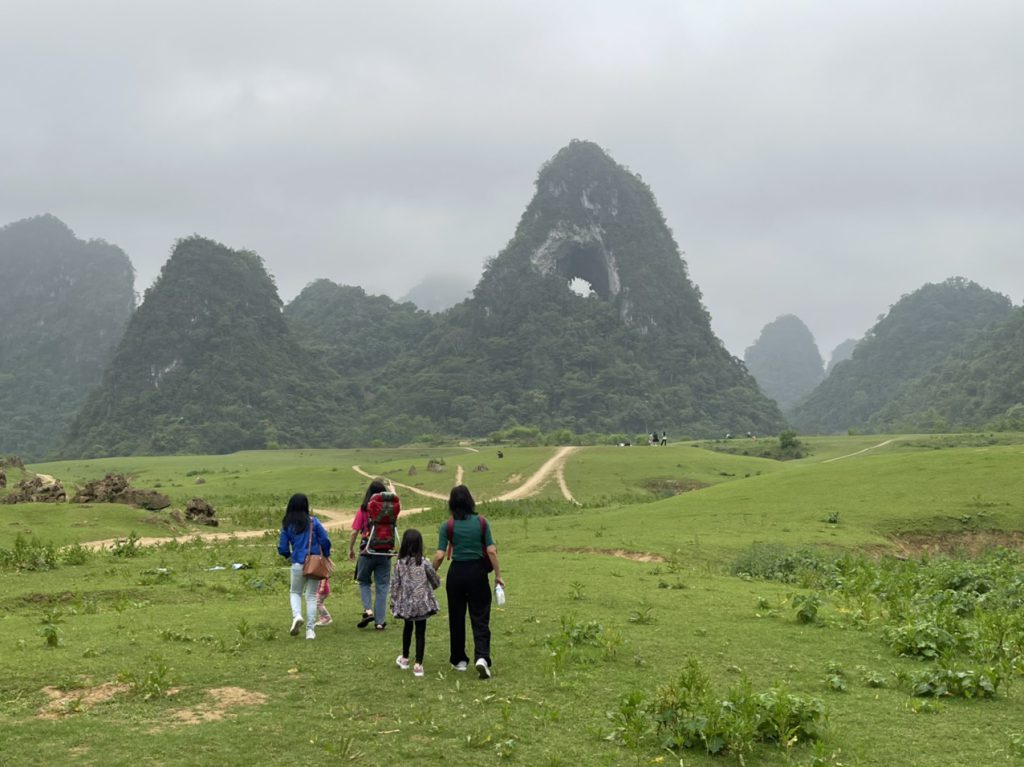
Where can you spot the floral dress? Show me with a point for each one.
(412, 589)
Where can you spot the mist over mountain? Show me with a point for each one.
(64, 303)
(437, 292)
(208, 364)
(841, 353)
(980, 385)
(785, 360)
(919, 332)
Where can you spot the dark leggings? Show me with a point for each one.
(468, 590)
(421, 638)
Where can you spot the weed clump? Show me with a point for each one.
(687, 713)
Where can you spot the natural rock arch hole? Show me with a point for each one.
(587, 269)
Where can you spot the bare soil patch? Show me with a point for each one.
(220, 705)
(64, 702)
(635, 556)
(970, 543)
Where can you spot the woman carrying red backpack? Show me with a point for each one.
(376, 523)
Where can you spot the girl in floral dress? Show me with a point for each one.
(412, 597)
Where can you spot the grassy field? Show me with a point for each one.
(148, 656)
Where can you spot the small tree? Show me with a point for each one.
(788, 440)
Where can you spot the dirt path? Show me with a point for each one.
(850, 455)
(540, 477)
(417, 490)
(331, 519)
(336, 519)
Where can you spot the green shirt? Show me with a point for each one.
(469, 543)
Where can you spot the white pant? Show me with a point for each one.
(299, 584)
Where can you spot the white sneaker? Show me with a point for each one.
(402, 662)
(483, 669)
(417, 670)
(296, 625)
(310, 634)
(461, 666)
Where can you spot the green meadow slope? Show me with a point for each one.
(132, 651)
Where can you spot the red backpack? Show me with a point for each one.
(488, 567)
(381, 517)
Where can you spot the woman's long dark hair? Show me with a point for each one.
(296, 516)
(377, 486)
(460, 502)
(412, 545)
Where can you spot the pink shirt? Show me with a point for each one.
(359, 523)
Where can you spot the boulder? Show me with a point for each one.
(412, 471)
(3, 477)
(481, 467)
(199, 511)
(35, 490)
(116, 488)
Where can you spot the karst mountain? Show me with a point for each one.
(208, 364)
(64, 303)
(635, 354)
(919, 332)
(785, 360)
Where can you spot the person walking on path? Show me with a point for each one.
(412, 597)
(473, 556)
(301, 534)
(375, 523)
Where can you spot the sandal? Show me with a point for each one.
(365, 621)
(380, 626)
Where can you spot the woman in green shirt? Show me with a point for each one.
(473, 555)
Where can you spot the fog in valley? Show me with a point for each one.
(817, 159)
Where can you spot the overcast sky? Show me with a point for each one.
(815, 158)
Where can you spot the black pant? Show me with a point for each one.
(421, 638)
(467, 586)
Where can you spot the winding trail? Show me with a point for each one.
(410, 488)
(331, 519)
(337, 519)
(530, 487)
(850, 455)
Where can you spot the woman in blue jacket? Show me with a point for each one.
(295, 544)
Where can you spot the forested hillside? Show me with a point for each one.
(208, 364)
(354, 333)
(785, 360)
(979, 385)
(64, 303)
(637, 354)
(919, 332)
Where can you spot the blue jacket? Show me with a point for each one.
(296, 544)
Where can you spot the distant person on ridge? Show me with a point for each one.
(375, 524)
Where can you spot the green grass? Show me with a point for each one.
(582, 627)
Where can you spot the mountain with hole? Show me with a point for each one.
(587, 321)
